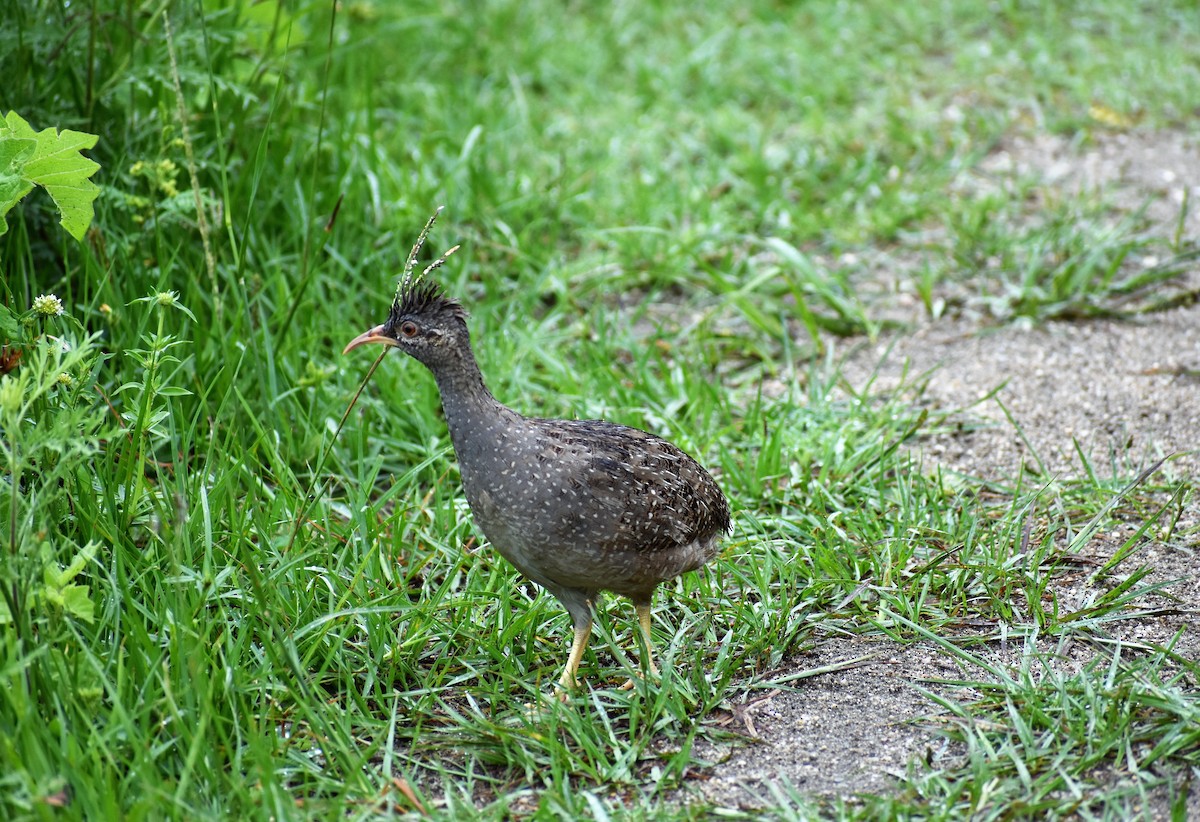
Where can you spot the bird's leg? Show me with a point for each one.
(568, 679)
(643, 615)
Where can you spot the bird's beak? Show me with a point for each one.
(374, 335)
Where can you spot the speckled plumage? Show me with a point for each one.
(578, 506)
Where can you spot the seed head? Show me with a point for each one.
(48, 305)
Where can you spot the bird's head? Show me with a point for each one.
(423, 322)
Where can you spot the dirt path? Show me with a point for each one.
(1127, 392)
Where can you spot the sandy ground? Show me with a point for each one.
(1127, 392)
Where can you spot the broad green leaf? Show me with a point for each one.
(14, 153)
(52, 160)
(80, 561)
(75, 600)
(9, 324)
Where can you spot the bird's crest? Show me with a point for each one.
(413, 292)
(407, 280)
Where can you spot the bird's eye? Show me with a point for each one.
(408, 329)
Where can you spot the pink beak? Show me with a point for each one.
(374, 335)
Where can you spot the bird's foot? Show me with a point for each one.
(566, 684)
(632, 682)
(546, 701)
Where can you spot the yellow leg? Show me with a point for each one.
(643, 615)
(568, 678)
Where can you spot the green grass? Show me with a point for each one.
(213, 608)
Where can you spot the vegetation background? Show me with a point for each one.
(215, 605)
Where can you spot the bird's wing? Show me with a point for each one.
(643, 491)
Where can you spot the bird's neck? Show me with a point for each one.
(472, 413)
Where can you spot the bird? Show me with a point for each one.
(576, 506)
